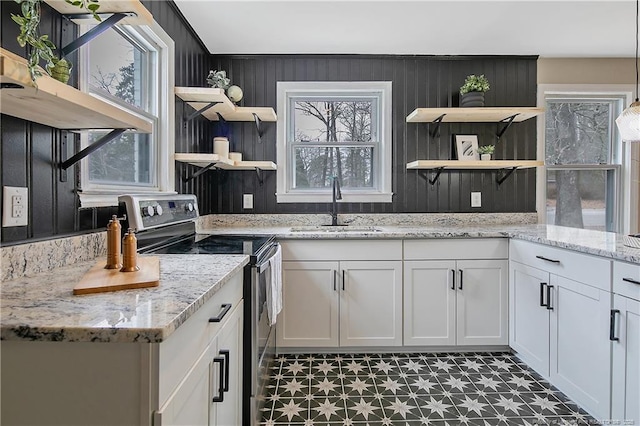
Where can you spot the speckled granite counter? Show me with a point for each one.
(42, 307)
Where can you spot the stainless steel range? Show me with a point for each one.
(166, 224)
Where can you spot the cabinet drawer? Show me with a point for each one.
(468, 248)
(341, 250)
(592, 270)
(626, 279)
(180, 351)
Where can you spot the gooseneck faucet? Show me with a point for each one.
(336, 195)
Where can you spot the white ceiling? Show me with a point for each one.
(549, 28)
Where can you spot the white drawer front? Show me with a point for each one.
(626, 279)
(341, 249)
(592, 270)
(467, 248)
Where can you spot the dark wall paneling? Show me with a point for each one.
(30, 151)
(418, 81)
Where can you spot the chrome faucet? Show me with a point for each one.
(336, 195)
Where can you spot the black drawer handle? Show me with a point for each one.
(227, 366)
(343, 279)
(549, 289)
(547, 259)
(335, 274)
(460, 286)
(612, 326)
(453, 279)
(224, 309)
(631, 280)
(220, 397)
(542, 286)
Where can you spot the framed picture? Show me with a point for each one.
(467, 147)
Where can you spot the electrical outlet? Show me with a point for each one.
(476, 199)
(14, 206)
(247, 201)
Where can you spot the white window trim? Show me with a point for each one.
(381, 195)
(103, 195)
(628, 220)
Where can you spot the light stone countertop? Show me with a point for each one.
(42, 307)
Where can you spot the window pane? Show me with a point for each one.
(315, 166)
(332, 121)
(116, 66)
(578, 132)
(127, 158)
(580, 198)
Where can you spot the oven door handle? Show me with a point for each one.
(264, 265)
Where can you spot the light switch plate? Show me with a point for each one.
(476, 199)
(15, 206)
(247, 201)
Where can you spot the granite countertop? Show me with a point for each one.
(42, 307)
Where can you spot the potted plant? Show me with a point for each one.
(472, 91)
(41, 47)
(485, 152)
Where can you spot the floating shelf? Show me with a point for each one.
(57, 104)
(473, 115)
(504, 168)
(200, 97)
(142, 15)
(209, 161)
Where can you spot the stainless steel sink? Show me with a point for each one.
(320, 228)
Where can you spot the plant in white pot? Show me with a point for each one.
(472, 91)
(486, 151)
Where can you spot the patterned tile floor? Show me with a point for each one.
(413, 389)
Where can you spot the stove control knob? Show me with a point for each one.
(159, 210)
(148, 211)
(188, 207)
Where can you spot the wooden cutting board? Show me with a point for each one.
(100, 280)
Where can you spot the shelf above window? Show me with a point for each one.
(473, 115)
(200, 97)
(57, 104)
(472, 165)
(142, 15)
(203, 160)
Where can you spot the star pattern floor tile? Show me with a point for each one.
(444, 389)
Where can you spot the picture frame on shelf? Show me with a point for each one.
(467, 147)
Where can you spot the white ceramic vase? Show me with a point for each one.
(485, 157)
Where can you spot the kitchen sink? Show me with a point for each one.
(343, 228)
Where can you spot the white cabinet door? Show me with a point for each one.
(482, 303)
(310, 298)
(580, 347)
(429, 303)
(228, 345)
(625, 401)
(371, 303)
(528, 316)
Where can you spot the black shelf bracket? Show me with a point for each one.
(437, 171)
(507, 123)
(199, 172)
(93, 32)
(260, 176)
(502, 175)
(65, 164)
(436, 129)
(221, 118)
(198, 112)
(258, 126)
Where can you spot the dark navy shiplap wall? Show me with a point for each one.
(418, 81)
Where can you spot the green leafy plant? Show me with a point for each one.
(486, 149)
(90, 6)
(218, 79)
(475, 83)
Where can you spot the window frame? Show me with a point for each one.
(620, 161)
(287, 92)
(163, 179)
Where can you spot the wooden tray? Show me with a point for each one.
(100, 280)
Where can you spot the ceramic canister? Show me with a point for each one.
(221, 147)
(235, 156)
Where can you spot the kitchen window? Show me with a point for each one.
(328, 129)
(131, 67)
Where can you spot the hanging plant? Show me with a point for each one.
(42, 48)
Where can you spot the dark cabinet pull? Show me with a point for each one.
(631, 280)
(335, 273)
(460, 285)
(549, 289)
(227, 367)
(542, 286)
(220, 397)
(547, 259)
(612, 326)
(224, 309)
(343, 278)
(453, 279)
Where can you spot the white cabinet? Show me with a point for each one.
(455, 302)
(560, 326)
(341, 293)
(625, 336)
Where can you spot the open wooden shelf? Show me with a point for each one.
(473, 165)
(473, 115)
(57, 104)
(142, 15)
(203, 160)
(199, 97)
